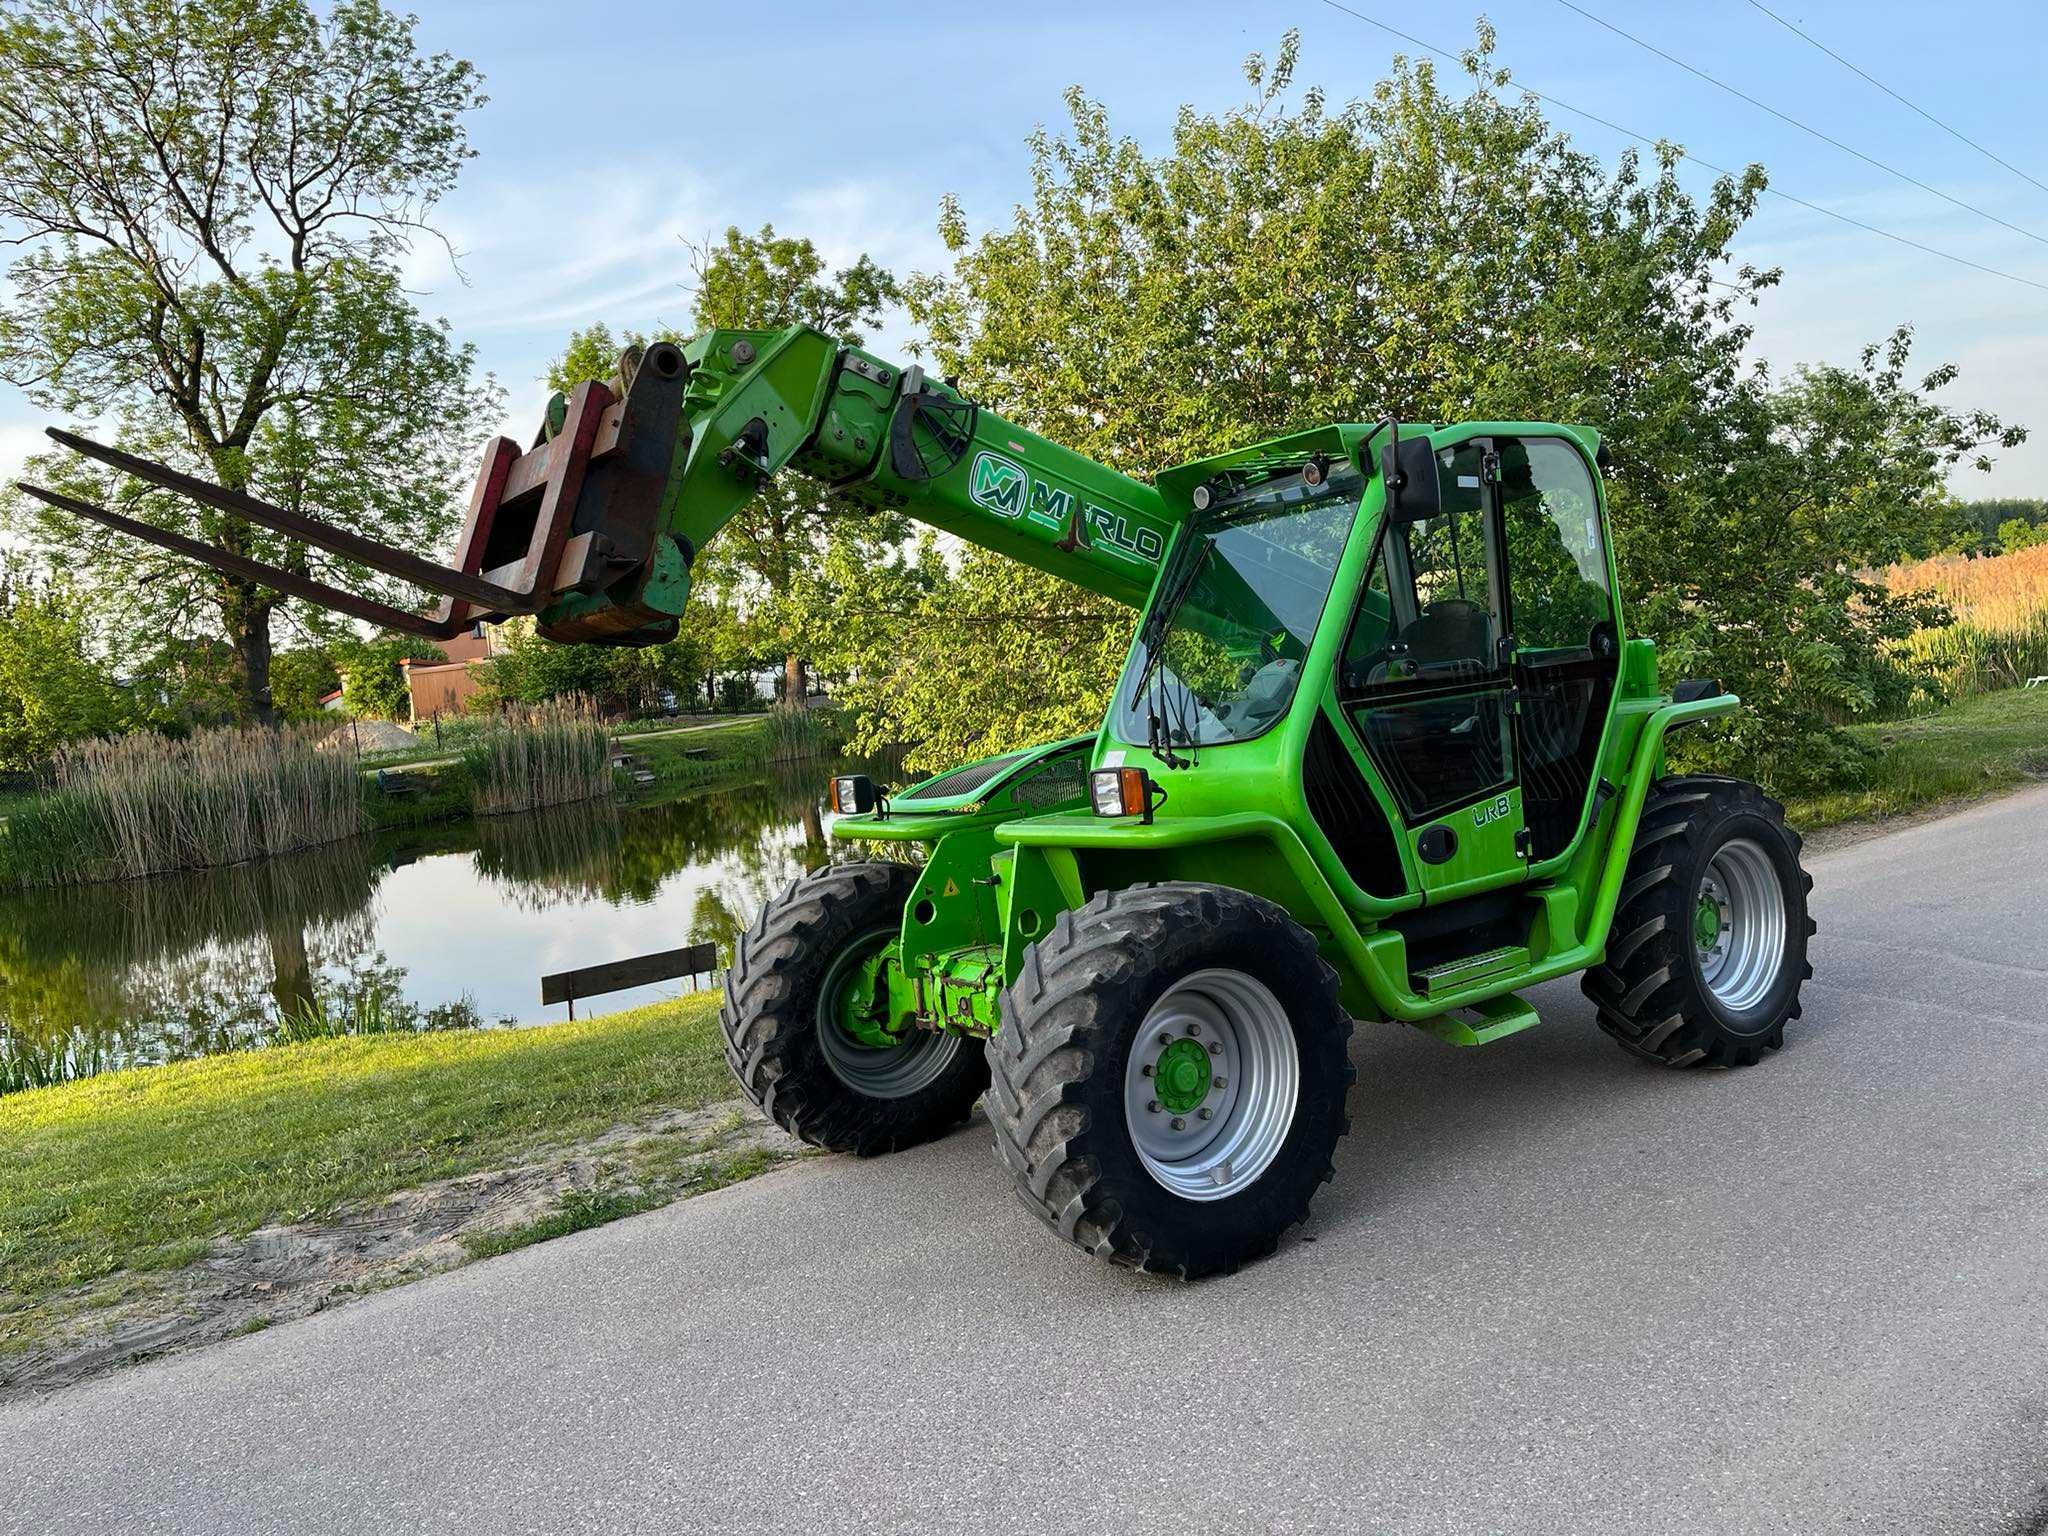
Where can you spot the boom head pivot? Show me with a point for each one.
(577, 512)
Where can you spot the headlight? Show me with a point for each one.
(1121, 792)
(853, 795)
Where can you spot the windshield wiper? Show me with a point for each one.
(1152, 633)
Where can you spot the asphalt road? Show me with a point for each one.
(1551, 1290)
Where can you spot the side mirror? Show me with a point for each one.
(1409, 470)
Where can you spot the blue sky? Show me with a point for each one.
(614, 134)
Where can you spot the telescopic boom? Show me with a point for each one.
(593, 528)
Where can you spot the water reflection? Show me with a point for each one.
(443, 927)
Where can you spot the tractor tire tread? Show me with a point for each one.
(1646, 992)
(1061, 1026)
(769, 1018)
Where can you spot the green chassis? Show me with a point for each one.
(1001, 865)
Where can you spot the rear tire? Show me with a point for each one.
(1209, 999)
(1708, 948)
(806, 1073)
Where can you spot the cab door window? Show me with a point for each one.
(1557, 561)
(1561, 615)
(1422, 673)
(1430, 615)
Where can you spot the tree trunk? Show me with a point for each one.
(817, 851)
(291, 971)
(248, 624)
(793, 679)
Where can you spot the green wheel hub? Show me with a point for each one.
(853, 1014)
(1182, 1077)
(860, 1000)
(1706, 922)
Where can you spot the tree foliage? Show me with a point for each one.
(775, 549)
(526, 669)
(300, 677)
(1984, 527)
(1442, 257)
(53, 687)
(212, 200)
(1756, 556)
(373, 683)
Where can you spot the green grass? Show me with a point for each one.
(141, 1170)
(445, 792)
(578, 1210)
(1980, 746)
(699, 756)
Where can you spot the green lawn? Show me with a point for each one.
(1980, 746)
(703, 753)
(139, 1171)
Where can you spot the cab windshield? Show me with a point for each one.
(1218, 656)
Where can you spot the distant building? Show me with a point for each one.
(331, 702)
(444, 687)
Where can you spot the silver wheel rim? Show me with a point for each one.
(892, 1073)
(1742, 902)
(1255, 1082)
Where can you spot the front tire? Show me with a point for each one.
(1169, 1077)
(784, 1040)
(1708, 948)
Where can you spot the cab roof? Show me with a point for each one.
(1344, 440)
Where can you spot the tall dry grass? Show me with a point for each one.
(796, 731)
(553, 754)
(126, 807)
(2000, 637)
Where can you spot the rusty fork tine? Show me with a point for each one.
(378, 557)
(254, 570)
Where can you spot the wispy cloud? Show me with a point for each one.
(18, 439)
(546, 257)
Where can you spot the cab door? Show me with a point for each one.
(1563, 630)
(1426, 682)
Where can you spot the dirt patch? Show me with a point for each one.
(368, 737)
(276, 1274)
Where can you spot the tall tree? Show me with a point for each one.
(212, 200)
(766, 560)
(1440, 257)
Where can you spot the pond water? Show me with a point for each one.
(437, 928)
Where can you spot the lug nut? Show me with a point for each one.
(1206, 1112)
(1145, 1070)
(1152, 1108)
(1179, 1124)
(1215, 1048)
(1219, 1082)
(1165, 1038)
(1194, 1029)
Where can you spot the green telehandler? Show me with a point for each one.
(1380, 750)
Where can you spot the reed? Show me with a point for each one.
(795, 731)
(553, 754)
(339, 1012)
(2000, 636)
(123, 808)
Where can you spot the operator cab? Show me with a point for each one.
(1460, 720)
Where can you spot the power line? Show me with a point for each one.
(1684, 154)
(1954, 133)
(1808, 128)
